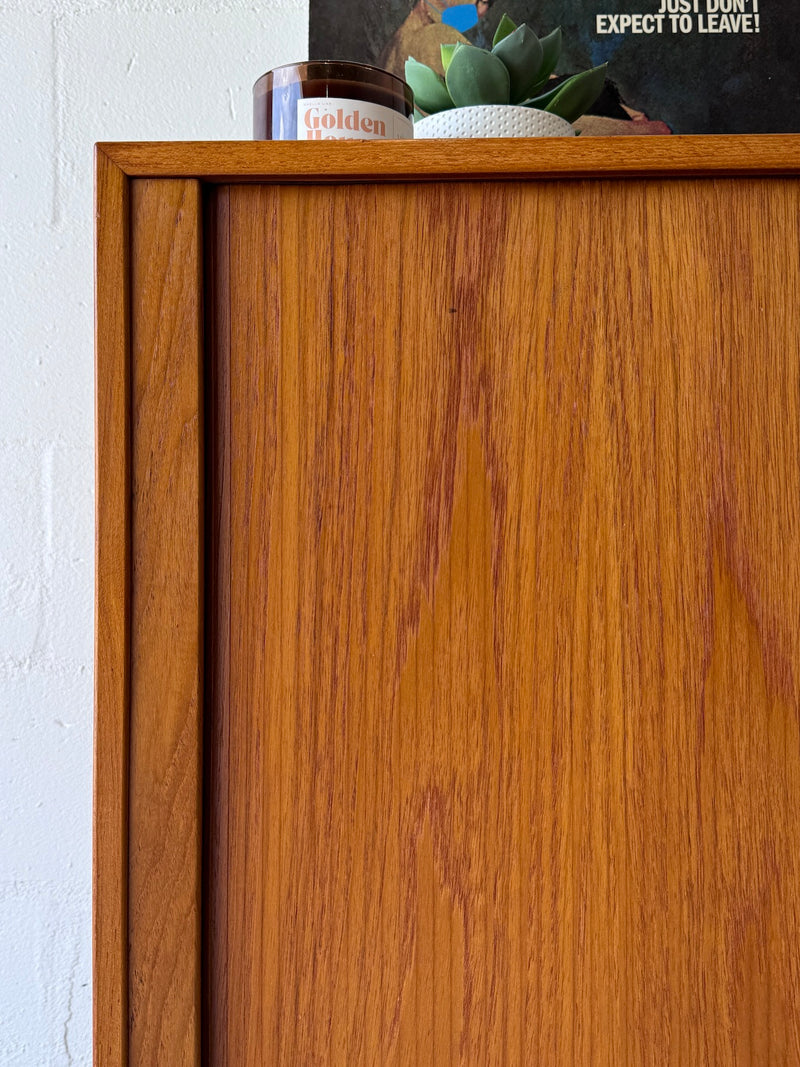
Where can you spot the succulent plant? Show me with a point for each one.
(516, 71)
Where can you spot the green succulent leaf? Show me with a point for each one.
(430, 92)
(477, 77)
(447, 55)
(521, 53)
(543, 99)
(504, 27)
(577, 94)
(551, 53)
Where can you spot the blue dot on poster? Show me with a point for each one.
(462, 17)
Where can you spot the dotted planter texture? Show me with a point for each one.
(493, 120)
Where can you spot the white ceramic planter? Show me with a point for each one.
(493, 120)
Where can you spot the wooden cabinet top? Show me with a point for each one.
(479, 159)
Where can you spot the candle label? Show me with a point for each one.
(329, 118)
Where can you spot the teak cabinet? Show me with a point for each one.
(448, 603)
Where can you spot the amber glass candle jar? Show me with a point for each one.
(322, 101)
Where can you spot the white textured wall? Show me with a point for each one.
(73, 72)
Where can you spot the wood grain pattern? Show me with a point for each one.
(527, 762)
(460, 160)
(513, 769)
(166, 625)
(112, 619)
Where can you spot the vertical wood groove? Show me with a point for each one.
(216, 801)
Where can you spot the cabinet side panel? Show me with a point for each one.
(166, 613)
(112, 619)
(513, 764)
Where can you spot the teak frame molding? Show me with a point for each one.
(118, 167)
(486, 160)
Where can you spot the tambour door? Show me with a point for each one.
(494, 599)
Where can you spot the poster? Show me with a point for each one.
(674, 66)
